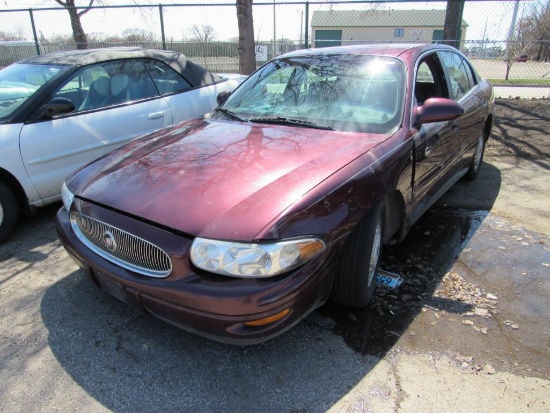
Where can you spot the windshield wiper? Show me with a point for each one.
(288, 121)
(232, 114)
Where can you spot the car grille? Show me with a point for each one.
(120, 247)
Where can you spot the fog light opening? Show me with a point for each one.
(268, 320)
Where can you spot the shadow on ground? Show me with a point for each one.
(422, 260)
(129, 361)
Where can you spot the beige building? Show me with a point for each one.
(333, 28)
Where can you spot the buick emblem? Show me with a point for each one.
(109, 241)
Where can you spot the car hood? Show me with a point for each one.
(218, 179)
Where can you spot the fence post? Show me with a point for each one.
(34, 33)
(162, 28)
(306, 24)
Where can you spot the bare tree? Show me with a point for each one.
(530, 36)
(247, 49)
(453, 25)
(513, 51)
(138, 35)
(79, 35)
(533, 30)
(204, 33)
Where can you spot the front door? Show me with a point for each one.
(106, 116)
(53, 149)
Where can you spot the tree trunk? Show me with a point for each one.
(247, 49)
(452, 24)
(78, 32)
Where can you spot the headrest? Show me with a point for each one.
(102, 85)
(118, 83)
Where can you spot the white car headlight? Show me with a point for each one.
(250, 260)
(67, 197)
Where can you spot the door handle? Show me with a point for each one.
(156, 115)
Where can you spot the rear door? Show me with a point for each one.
(186, 101)
(462, 83)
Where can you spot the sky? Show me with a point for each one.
(489, 20)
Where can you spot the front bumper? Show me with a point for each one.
(210, 305)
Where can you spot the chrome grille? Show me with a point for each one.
(121, 247)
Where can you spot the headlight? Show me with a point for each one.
(67, 197)
(253, 260)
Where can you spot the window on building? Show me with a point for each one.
(398, 32)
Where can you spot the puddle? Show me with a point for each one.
(478, 293)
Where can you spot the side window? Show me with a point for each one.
(106, 84)
(428, 80)
(77, 87)
(166, 79)
(459, 72)
(424, 73)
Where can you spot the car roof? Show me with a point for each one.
(383, 49)
(194, 73)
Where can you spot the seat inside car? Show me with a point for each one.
(119, 92)
(99, 90)
(423, 91)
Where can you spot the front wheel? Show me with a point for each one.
(355, 282)
(8, 211)
(475, 163)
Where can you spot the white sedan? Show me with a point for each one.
(61, 110)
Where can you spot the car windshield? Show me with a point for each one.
(352, 93)
(19, 81)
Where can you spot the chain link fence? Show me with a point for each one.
(499, 37)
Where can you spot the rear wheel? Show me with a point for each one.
(8, 211)
(477, 159)
(355, 282)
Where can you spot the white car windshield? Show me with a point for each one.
(19, 82)
(352, 93)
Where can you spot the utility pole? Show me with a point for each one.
(512, 29)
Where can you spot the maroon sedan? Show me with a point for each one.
(236, 225)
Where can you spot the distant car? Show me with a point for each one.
(61, 110)
(522, 58)
(237, 225)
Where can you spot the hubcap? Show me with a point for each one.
(375, 252)
(1, 214)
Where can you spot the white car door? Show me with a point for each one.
(193, 103)
(186, 101)
(53, 149)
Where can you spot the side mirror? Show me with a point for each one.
(58, 106)
(437, 110)
(222, 96)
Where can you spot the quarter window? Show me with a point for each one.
(166, 79)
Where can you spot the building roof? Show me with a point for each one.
(379, 18)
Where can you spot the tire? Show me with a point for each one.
(8, 211)
(355, 282)
(477, 159)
